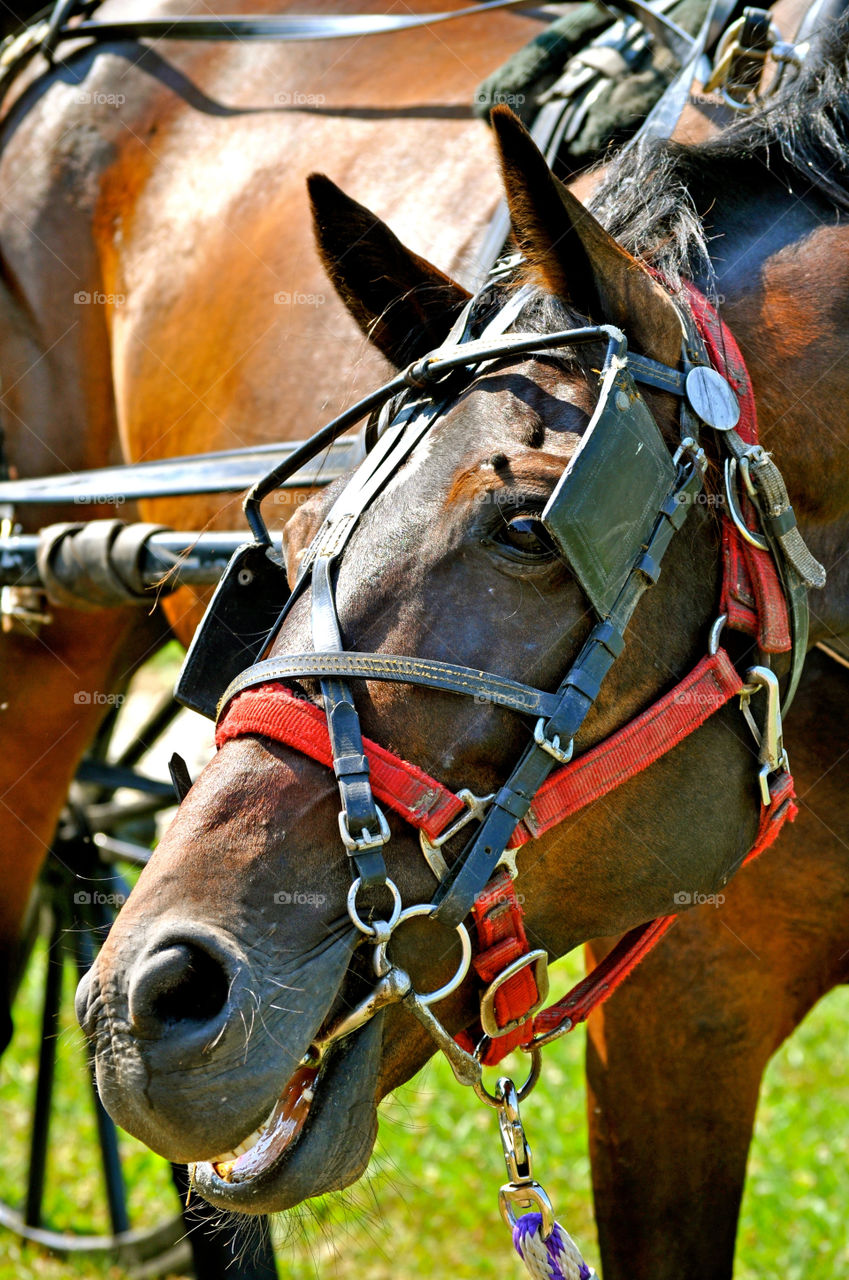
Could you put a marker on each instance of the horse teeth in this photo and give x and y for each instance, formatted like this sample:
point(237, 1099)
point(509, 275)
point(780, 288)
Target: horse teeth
point(239, 1150)
point(229, 1157)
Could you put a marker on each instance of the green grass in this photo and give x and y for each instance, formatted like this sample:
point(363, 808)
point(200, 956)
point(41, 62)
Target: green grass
point(428, 1207)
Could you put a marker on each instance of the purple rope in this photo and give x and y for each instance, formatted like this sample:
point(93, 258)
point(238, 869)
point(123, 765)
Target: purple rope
point(531, 1224)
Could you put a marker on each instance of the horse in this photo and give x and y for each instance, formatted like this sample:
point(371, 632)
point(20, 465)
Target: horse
point(451, 563)
point(159, 296)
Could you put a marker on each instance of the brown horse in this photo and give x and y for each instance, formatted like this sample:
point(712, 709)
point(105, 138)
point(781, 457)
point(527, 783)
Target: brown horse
point(201, 987)
point(159, 295)
point(675, 1060)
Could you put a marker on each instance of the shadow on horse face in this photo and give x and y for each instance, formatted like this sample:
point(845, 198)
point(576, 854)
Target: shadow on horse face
point(235, 951)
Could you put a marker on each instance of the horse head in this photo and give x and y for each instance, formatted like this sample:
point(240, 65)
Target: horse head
point(235, 953)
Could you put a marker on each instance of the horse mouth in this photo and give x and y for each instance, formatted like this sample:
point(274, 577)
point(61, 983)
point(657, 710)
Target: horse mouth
point(268, 1143)
point(317, 1138)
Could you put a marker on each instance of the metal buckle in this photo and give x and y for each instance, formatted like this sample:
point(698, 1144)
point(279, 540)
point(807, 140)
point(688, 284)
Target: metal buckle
point(539, 960)
point(771, 753)
point(552, 745)
point(755, 539)
point(475, 806)
point(358, 844)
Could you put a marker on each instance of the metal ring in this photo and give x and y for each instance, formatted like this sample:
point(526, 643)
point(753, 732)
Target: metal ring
point(533, 1075)
point(427, 909)
point(715, 633)
point(755, 539)
point(367, 929)
point(736, 104)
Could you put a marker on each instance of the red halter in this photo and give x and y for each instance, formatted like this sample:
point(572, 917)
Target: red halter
point(754, 602)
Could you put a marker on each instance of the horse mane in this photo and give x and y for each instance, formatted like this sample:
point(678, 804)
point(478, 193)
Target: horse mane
point(799, 141)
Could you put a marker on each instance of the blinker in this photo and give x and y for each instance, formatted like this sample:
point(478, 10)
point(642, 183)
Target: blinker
point(604, 507)
point(234, 632)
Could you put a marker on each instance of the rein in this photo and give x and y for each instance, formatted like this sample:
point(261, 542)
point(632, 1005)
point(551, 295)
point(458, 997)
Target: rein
point(546, 786)
point(297, 27)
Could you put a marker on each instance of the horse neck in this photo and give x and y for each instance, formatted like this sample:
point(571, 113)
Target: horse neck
point(783, 297)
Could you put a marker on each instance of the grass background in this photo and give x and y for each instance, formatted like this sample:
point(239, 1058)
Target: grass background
point(428, 1205)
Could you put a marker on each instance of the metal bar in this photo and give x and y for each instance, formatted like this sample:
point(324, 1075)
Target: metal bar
point(286, 27)
point(197, 559)
point(227, 471)
point(44, 1082)
point(150, 732)
point(113, 776)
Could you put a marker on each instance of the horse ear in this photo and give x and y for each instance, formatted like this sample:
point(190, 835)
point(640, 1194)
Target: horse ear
point(571, 255)
point(402, 303)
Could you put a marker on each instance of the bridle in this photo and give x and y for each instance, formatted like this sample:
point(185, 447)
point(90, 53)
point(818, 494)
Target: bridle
point(545, 784)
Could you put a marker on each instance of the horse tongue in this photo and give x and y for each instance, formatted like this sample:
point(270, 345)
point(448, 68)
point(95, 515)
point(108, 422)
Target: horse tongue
point(284, 1125)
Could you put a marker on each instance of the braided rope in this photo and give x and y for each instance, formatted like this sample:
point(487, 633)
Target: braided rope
point(557, 1258)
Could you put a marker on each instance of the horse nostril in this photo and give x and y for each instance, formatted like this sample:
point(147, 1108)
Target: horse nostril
point(180, 983)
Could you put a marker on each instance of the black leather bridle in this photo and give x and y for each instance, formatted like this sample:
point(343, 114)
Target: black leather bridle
point(664, 488)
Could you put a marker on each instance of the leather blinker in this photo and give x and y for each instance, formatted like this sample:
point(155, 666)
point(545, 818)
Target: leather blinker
point(604, 507)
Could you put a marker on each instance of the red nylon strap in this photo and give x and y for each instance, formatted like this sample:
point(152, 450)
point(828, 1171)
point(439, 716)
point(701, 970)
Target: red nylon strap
point(751, 591)
point(782, 808)
point(637, 745)
point(501, 939)
point(612, 971)
point(273, 711)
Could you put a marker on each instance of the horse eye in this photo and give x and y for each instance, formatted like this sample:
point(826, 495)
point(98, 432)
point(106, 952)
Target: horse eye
point(528, 536)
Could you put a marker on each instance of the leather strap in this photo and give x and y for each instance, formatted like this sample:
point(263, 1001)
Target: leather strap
point(752, 595)
point(289, 27)
point(446, 676)
point(275, 712)
point(470, 873)
point(635, 746)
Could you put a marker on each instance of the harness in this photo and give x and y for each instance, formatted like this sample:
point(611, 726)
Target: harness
point(546, 785)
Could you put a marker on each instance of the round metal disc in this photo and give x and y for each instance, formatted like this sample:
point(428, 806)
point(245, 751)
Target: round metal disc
point(712, 398)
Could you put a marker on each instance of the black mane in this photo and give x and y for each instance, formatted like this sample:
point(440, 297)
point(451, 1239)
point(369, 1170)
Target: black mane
point(799, 141)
